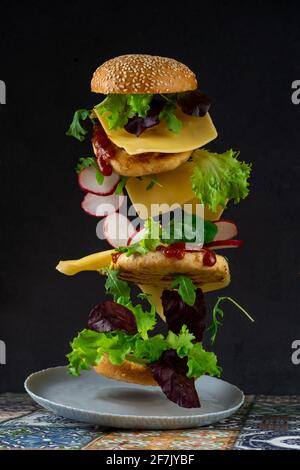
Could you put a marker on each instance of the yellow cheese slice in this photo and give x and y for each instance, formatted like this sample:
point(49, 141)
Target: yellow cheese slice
point(195, 132)
point(88, 263)
point(173, 187)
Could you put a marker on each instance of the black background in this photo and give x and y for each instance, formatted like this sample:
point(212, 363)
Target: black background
point(246, 55)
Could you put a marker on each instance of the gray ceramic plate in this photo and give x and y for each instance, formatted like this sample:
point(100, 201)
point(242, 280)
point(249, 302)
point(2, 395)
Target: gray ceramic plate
point(94, 399)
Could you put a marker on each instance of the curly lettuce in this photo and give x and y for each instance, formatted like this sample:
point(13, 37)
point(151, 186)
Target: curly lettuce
point(217, 178)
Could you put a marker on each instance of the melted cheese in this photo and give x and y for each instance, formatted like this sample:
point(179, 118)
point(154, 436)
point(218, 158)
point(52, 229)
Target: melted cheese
point(88, 263)
point(174, 187)
point(195, 132)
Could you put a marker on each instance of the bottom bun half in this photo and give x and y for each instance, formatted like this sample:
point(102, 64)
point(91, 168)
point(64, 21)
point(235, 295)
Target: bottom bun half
point(127, 372)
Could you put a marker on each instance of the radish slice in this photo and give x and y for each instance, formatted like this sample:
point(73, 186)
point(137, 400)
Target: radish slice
point(193, 247)
point(136, 237)
point(99, 206)
point(226, 230)
point(117, 229)
point(220, 244)
point(87, 181)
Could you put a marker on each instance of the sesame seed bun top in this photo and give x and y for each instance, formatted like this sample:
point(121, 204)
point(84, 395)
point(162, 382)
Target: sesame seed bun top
point(141, 73)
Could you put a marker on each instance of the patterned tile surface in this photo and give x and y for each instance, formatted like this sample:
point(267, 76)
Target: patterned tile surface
point(264, 422)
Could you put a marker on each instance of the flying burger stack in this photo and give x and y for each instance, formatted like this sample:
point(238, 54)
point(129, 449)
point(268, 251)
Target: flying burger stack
point(148, 134)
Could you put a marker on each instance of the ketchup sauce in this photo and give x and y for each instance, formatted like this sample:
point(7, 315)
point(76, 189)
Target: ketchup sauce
point(104, 149)
point(115, 257)
point(177, 250)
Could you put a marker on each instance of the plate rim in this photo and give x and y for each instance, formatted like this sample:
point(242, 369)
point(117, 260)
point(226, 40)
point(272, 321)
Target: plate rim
point(36, 397)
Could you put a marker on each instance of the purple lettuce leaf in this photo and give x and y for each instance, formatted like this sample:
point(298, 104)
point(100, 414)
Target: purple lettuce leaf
point(194, 103)
point(136, 125)
point(178, 313)
point(170, 373)
point(110, 316)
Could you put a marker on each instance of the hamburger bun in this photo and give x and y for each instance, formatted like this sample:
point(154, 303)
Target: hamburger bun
point(155, 269)
point(127, 372)
point(141, 73)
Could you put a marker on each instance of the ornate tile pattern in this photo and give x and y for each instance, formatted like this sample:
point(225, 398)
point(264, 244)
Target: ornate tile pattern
point(264, 422)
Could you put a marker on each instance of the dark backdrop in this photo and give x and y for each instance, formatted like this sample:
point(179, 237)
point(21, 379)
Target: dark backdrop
point(246, 55)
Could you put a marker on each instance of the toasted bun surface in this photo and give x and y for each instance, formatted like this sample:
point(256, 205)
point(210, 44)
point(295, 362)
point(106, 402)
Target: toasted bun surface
point(155, 269)
point(126, 372)
point(141, 73)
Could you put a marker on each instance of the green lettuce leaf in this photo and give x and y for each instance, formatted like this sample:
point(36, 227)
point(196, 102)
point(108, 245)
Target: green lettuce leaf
point(180, 231)
point(76, 130)
point(145, 321)
point(89, 347)
point(202, 362)
point(186, 288)
point(182, 343)
point(219, 177)
point(151, 349)
point(121, 107)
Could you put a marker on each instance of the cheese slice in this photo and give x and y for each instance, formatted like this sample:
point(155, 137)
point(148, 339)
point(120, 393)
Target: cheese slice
point(88, 263)
point(173, 187)
point(195, 132)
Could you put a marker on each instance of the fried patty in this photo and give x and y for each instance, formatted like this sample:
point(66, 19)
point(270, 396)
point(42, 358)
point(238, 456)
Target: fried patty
point(155, 269)
point(144, 164)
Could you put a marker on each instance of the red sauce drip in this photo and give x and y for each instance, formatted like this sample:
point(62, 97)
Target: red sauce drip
point(104, 149)
point(176, 250)
point(115, 257)
point(209, 257)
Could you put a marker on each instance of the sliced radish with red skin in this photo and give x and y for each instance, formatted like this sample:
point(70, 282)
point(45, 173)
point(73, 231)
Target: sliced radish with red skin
point(220, 244)
point(193, 247)
point(117, 228)
point(137, 236)
point(100, 206)
point(226, 230)
point(88, 182)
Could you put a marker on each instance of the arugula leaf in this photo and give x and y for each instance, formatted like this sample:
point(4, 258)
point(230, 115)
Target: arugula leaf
point(152, 183)
point(202, 362)
point(116, 287)
point(218, 315)
point(187, 289)
point(182, 343)
point(121, 184)
point(150, 241)
point(174, 124)
point(85, 162)
point(76, 130)
point(217, 177)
